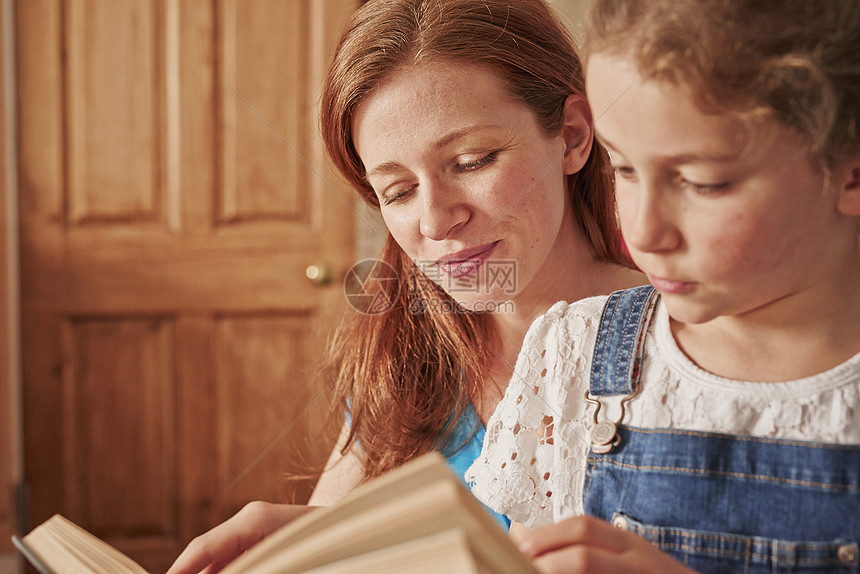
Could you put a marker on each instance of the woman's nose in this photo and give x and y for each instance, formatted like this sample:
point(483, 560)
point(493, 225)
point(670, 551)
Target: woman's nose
point(647, 220)
point(443, 211)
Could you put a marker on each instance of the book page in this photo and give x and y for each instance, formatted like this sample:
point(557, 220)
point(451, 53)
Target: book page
point(66, 548)
point(446, 551)
point(363, 498)
point(420, 499)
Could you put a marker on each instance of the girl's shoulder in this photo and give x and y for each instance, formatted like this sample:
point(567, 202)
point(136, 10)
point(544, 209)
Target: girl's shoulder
point(568, 320)
point(515, 473)
point(558, 346)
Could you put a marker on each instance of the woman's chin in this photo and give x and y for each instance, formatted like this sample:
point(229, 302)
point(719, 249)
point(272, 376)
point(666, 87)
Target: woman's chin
point(484, 303)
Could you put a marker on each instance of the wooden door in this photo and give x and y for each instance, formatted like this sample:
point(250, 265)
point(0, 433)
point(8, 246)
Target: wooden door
point(10, 466)
point(173, 192)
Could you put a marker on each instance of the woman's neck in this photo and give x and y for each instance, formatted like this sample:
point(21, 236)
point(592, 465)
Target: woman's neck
point(580, 276)
point(569, 273)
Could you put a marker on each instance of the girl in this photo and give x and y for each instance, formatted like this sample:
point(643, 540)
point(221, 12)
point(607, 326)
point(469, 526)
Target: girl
point(466, 124)
point(718, 417)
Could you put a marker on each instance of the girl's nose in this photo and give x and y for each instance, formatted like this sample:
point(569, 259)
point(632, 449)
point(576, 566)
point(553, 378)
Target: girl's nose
point(443, 211)
point(647, 220)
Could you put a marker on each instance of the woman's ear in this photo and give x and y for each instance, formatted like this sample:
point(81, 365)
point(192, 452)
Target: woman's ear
point(577, 133)
point(849, 188)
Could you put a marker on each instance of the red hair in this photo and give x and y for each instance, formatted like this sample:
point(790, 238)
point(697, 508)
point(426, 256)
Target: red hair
point(407, 375)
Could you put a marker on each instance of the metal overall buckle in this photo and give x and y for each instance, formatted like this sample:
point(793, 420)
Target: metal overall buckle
point(604, 435)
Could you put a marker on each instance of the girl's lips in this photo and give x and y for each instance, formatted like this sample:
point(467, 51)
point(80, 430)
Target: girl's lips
point(466, 262)
point(670, 286)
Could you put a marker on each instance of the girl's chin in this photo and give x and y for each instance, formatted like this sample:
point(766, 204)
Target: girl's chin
point(688, 312)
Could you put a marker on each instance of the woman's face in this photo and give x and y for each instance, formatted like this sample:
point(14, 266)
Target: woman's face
point(470, 186)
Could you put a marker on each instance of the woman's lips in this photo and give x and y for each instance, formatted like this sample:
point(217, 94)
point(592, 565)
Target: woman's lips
point(466, 262)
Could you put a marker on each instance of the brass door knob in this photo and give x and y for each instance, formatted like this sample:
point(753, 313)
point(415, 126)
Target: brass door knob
point(319, 273)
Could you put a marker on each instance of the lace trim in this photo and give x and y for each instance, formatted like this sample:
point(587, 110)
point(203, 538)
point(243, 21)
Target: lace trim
point(532, 466)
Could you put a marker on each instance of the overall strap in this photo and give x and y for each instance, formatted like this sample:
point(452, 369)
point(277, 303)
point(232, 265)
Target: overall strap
point(618, 349)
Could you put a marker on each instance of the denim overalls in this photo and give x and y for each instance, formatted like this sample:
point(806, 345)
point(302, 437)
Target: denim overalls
point(717, 503)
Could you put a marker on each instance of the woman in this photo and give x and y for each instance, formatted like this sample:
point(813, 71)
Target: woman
point(466, 124)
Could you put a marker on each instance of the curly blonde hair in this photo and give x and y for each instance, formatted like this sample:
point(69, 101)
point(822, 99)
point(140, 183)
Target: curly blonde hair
point(797, 61)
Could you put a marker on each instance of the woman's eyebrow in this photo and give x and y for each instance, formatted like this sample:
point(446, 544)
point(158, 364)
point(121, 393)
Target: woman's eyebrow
point(384, 169)
point(449, 138)
point(462, 132)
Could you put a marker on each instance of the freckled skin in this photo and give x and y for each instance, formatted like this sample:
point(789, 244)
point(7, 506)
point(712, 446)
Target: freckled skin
point(734, 222)
point(512, 192)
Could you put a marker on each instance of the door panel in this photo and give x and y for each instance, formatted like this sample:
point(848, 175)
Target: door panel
point(114, 111)
point(173, 193)
point(10, 435)
point(261, 181)
point(120, 433)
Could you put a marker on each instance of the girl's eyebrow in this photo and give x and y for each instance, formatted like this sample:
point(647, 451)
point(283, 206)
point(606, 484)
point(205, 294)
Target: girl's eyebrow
point(602, 141)
point(703, 157)
point(713, 157)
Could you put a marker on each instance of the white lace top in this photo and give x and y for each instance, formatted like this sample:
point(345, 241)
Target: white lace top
point(532, 465)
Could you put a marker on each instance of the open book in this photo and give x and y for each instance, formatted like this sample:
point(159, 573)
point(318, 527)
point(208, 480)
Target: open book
point(418, 518)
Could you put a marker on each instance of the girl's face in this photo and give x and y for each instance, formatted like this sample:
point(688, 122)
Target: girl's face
point(470, 186)
point(726, 218)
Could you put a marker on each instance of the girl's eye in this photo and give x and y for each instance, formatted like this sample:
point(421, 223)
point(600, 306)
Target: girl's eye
point(390, 198)
point(704, 188)
point(478, 163)
point(624, 172)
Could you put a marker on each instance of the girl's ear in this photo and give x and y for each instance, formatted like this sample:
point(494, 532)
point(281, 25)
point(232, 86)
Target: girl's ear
point(577, 133)
point(849, 192)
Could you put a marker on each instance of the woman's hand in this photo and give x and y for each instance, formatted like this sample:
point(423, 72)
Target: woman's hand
point(210, 552)
point(585, 544)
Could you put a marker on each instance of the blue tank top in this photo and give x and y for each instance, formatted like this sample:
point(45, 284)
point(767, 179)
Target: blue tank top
point(469, 432)
point(470, 425)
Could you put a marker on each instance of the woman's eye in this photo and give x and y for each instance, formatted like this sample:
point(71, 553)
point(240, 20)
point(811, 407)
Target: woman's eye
point(478, 163)
point(393, 196)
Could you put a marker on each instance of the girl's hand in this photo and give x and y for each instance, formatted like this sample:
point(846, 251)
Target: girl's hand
point(585, 544)
point(210, 552)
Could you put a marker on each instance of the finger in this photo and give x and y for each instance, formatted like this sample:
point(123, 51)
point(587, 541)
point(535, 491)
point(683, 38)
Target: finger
point(517, 531)
point(212, 550)
point(216, 548)
point(580, 560)
point(223, 543)
point(580, 530)
point(627, 552)
point(213, 568)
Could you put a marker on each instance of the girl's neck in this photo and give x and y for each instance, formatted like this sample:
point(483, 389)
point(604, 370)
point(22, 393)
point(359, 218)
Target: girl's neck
point(790, 339)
